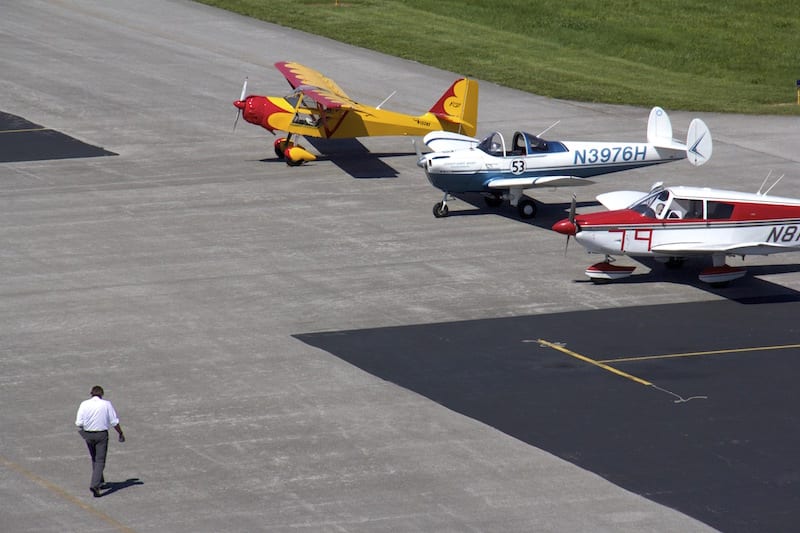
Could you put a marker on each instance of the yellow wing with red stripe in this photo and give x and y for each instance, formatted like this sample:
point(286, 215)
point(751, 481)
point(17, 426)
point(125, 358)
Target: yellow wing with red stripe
point(316, 86)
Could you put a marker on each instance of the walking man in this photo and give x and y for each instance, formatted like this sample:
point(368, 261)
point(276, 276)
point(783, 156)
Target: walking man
point(94, 417)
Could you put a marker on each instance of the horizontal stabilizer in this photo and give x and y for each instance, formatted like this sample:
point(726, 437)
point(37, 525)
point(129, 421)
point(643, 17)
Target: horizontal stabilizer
point(698, 145)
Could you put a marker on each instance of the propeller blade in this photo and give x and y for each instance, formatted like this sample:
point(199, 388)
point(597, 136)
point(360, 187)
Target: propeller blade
point(244, 89)
point(241, 98)
point(572, 209)
point(572, 220)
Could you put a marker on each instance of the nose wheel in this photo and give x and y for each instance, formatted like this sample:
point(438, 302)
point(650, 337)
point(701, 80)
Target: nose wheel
point(440, 210)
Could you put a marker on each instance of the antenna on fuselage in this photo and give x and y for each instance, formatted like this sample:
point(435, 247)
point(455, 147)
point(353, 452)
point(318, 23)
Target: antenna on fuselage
point(553, 125)
point(774, 184)
point(771, 186)
point(385, 100)
point(763, 183)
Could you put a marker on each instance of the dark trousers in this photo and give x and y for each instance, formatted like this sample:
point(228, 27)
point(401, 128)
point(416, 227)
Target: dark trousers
point(97, 442)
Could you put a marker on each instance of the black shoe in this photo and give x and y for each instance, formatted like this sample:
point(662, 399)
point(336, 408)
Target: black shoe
point(95, 492)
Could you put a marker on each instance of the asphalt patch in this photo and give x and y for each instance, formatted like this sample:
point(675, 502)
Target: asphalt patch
point(23, 140)
point(714, 435)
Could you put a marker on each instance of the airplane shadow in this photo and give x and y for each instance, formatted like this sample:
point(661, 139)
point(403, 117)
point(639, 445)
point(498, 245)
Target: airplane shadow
point(113, 486)
point(546, 214)
point(748, 290)
point(353, 157)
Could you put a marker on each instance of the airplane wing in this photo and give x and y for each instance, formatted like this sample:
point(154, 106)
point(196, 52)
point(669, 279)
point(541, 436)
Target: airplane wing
point(314, 85)
point(740, 248)
point(536, 181)
point(620, 199)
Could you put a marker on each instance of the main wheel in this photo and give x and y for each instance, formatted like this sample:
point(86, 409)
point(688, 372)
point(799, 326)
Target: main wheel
point(440, 210)
point(291, 162)
point(526, 208)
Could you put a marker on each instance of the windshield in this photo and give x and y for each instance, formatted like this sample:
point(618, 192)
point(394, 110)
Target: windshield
point(654, 204)
point(493, 145)
point(662, 204)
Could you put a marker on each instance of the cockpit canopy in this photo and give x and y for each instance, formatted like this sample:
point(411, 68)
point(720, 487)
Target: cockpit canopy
point(523, 144)
point(662, 204)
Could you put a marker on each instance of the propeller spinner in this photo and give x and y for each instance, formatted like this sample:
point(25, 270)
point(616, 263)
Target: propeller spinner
point(569, 226)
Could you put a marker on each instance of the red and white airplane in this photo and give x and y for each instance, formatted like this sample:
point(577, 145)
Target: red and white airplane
point(674, 223)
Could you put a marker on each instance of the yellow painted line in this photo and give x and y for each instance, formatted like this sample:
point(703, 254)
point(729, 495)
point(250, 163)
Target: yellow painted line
point(22, 131)
point(695, 354)
point(600, 364)
point(64, 494)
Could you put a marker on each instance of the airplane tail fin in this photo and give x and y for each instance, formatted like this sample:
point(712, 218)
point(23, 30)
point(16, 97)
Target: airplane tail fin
point(698, 145)
point(659, 130)
point(458, 107)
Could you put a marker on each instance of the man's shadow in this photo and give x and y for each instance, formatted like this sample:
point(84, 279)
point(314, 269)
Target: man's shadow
point(110, 487)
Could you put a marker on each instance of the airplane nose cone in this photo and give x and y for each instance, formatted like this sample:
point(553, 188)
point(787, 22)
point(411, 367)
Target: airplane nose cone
point(239, 104)
point(565, 227)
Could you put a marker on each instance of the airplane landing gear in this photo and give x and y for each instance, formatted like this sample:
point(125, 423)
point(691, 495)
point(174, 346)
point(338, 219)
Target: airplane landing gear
point(294, 154)
point(605, 272)
point(721, 273)
point(280, 146)
point(525, 206)
point(440, 209)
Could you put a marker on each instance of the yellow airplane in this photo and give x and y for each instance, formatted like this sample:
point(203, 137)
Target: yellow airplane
point(318, 107)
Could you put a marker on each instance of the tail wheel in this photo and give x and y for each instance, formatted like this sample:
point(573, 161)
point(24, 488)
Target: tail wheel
point(440, 210)
point(280, 147)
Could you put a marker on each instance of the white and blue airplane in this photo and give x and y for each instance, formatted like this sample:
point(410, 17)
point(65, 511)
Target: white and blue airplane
point(463, 164)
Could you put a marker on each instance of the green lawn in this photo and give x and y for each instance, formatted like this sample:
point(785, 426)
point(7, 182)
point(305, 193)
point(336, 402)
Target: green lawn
point(703, 55)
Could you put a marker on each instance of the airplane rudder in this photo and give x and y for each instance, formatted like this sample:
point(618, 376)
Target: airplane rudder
point(459, 106)
point(463, 90)
point(470, 117)
point(699, 144)
point(659, 126)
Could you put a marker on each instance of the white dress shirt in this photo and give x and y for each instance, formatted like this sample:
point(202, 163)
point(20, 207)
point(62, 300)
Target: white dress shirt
point(96, 414)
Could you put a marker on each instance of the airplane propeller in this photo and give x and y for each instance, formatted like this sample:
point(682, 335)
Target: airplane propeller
point(420, 157)
point(575, 227)
point(240, 104)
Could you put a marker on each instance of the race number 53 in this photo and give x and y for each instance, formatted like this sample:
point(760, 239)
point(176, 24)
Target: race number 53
point(517, 166)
